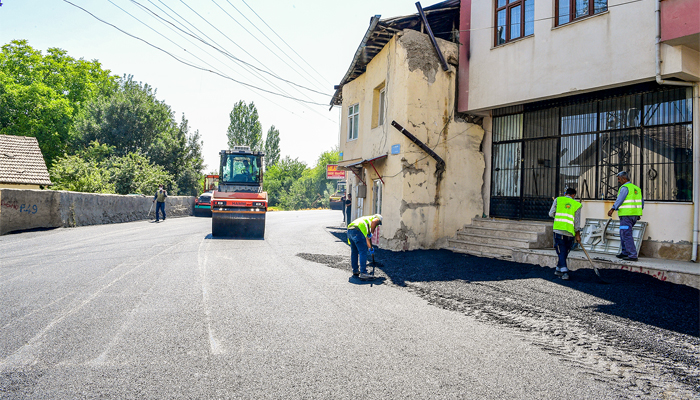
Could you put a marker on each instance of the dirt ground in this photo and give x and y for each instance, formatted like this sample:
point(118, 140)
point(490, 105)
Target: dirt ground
point(637, 332)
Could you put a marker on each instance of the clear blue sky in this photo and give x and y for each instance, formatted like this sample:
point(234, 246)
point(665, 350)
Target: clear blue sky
point(325, 33)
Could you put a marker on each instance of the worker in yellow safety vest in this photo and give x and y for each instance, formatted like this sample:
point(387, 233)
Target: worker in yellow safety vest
point(567, 227)
point(629, 205)
point(360, 233)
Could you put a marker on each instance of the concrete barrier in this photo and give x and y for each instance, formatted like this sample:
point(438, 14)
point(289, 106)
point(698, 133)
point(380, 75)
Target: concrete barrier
point(22, 209)
point(27, 209)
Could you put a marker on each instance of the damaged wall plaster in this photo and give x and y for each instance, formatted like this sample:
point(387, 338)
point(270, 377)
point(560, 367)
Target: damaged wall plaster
point(422, 55)
point(420, 208)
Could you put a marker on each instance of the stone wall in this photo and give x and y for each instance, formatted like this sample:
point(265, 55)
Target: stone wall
point(28, 209)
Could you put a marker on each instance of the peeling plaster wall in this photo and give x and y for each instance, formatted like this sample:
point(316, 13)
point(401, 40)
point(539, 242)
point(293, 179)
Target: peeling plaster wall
point(420, 209)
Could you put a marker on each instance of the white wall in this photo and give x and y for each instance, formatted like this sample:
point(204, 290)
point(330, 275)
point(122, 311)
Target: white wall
point(657, 215)
point(610, 49)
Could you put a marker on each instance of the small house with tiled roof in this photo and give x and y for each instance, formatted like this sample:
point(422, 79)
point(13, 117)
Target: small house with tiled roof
point(22, 164)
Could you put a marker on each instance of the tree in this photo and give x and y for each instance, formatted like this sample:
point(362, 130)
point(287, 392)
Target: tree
point(83, 172)
point(97, 170)
point(134, 121)
point(311, 189)
point(291, 185)
point(130, 119)
point(133, 173)
point(272, 147)
point(280, 177)
point(40, 95)
point(38, 111)
point(245, 128)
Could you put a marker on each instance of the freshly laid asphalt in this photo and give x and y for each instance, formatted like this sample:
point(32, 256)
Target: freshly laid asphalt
point(146, 310)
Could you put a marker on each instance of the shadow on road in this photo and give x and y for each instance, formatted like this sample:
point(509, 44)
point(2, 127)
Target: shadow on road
point(210, 237)
point(632, 295)
point(357, 281)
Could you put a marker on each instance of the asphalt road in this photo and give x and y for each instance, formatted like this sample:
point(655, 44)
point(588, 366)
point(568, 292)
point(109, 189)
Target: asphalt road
point(146, 310)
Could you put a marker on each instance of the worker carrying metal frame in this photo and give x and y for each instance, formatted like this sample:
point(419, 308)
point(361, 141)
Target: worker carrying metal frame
point(629, 205)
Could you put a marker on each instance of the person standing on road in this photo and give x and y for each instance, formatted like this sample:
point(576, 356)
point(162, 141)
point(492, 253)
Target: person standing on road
point(347, 207)
point(629, 205)
point(359, 235)
point(159, 199)
point(567, 227)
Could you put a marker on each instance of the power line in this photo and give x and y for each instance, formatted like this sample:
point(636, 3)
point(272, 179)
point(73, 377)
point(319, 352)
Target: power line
point(244, 64)
point(226, 53)
point(188, 63)
point(260, 41)
point(165, 37)
point(231, 40)
point(218, 30)
point(184, 37)
point(283, 41)
point(250, 67)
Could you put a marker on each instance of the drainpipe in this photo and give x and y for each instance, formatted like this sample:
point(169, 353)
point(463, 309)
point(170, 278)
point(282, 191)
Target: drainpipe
point(696, 169)
point(696, 128)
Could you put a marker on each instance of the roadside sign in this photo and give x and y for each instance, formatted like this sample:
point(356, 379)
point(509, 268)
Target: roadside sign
point(332, 172)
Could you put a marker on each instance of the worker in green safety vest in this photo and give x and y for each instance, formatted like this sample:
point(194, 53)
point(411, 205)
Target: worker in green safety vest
point(567, 228)
point(629, 206)
point(360, 233)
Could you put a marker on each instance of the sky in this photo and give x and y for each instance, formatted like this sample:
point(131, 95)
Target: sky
point(294, 50)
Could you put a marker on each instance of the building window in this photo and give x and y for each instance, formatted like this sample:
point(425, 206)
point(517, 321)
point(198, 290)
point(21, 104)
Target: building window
point(382, 105)
point(353, 121)
point(378, 105)
point(571, 10)
point(377, 193)
point(514, 19)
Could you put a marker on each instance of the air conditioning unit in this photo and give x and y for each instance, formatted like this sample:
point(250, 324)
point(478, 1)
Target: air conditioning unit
point(361, 191)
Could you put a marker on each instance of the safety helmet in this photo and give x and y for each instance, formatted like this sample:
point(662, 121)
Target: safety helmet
point(379, 217)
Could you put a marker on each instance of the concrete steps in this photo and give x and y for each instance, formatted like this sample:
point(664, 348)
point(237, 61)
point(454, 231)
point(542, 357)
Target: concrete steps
point(498, 238)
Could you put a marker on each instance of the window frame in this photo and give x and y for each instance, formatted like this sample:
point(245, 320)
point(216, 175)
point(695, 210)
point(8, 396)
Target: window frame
point(377, 192)
point(572, 11)
point(510, 4)
point(353, 121)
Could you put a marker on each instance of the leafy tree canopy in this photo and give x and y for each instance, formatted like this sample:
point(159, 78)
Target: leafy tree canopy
point(245, 128)
point(40, 94)
point(272, 147)
point(293, 186)
point(97, 169)
point(130, 119)
point(133, 121)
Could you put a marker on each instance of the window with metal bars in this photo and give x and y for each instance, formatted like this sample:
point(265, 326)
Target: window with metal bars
point(514, 19)
point(538, 153)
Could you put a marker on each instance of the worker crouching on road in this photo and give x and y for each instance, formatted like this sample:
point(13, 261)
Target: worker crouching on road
point(629, 205)
point(159, 199)
point(567, 228)
point(360, 233)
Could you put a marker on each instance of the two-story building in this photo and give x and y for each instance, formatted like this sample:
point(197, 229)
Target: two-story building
point(410, 158)
point(574, 91)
